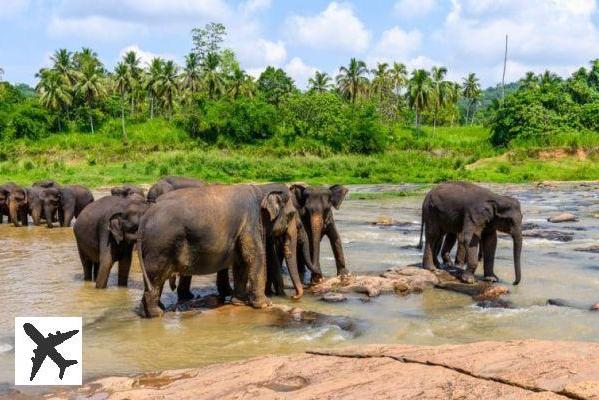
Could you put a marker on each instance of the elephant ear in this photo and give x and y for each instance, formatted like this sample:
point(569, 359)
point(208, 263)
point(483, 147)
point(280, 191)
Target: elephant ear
point(508, 208)
point(299, 195)
point(338, 193)
point(272, 204)
point(483, 213)
point(115, 227)
point(118, 191)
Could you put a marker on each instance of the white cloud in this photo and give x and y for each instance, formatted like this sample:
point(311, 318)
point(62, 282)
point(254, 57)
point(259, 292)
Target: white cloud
point(414, 8)
point(299, 71)
point(11, 8)
point(259, 52)
point(337, 28)
point(97, 28)
point(396, 44)
point(145, 56)
point(252, 6)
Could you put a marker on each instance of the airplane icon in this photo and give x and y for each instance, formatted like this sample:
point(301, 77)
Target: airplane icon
point(46, 347)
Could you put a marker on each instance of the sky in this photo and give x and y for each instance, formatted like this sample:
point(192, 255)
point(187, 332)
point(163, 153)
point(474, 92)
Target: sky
point(302, 36)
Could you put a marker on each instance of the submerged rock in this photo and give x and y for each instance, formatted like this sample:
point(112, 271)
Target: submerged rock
point(591, 249)
point(332, 297)
point(527, 226)
point(496, 303)
point(557, 236)
point(572, 304)
point(562, 217)
point(517, 369)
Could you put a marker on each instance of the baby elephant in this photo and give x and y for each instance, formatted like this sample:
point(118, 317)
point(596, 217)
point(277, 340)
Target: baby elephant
point(106, 232)
point(68, 201)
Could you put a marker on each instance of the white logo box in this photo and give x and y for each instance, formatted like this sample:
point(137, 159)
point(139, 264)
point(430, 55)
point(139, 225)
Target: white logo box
point(70, 350)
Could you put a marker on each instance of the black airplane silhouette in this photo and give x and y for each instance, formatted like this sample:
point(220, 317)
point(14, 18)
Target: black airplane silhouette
point(46, 347)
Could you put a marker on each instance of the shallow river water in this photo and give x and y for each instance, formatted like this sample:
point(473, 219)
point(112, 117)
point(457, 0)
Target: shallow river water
point(41, 275)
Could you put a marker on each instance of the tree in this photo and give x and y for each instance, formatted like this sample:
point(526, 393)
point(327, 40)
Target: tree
point(62, 63)
point(190, 78)
point(132, 60)
point(593, 78)
point(151, 83)
point(381, 83)
point(351, 80)
point(54, 92)
point(212, 79)
point(122, 82)
point(91, 87)
point(240, 84)
point(208, 39)
point(168, 87)
point(471, 91)
point(1, 74)
point(274, 83)
point(320, 82)
point(419, 92)
point(439, 92)
point(87, 58)
point(399, 77)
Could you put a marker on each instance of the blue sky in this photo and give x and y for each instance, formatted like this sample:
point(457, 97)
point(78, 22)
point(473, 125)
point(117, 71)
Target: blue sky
point(304, 36)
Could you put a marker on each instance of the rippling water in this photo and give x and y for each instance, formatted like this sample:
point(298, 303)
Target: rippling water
point(41, 276)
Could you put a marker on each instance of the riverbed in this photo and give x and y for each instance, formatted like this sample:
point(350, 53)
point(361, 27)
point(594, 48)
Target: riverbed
point(41, 275)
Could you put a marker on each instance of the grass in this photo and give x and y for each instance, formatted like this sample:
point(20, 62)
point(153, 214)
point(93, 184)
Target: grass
point(157, 148)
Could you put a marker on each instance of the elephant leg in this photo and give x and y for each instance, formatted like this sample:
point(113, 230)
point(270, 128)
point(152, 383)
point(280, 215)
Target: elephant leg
point(150, 302)
point(105, 264)
point(23, 218)
point(184, 288)
point(429, 256)
point(254, 261)
point(488, 247)
point(240, 280)
point(448, 244)
point(95, 270)
point(460, 256)
point(125, 265)
point(333, 235)
point(470, 243)
point(88, 266)
point(223, 285)
point(67, 217)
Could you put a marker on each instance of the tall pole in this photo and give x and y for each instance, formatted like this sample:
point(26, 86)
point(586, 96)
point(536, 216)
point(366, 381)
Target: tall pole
point(503, 76)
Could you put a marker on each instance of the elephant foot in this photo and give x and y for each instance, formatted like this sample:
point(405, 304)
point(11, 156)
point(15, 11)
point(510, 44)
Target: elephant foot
point(237, 301)
point(261, 302)
point(150, 306)
point(316, 278)
point(429, 267)
point(491, 278)
point(342, 272)
point(467, 277)
point(185, 296)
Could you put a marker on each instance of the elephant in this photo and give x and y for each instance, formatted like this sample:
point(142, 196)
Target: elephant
point(315, 205)
point(68, 201)
point(170, 183)
point(127, 190)
point(46, 183)
point(474, 215)
point(200, 231)
point(18, 205)
point(4, 195)
point(105, 232)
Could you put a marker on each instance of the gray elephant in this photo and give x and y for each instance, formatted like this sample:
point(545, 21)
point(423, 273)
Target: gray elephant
point(474, 215)
point(46, 183)
point(170, 183)
point(200, 231)
point(127, 190)
point(4, 196)
point(18, 204)
point(67, 201)
point(315, 206)
point(105, 232)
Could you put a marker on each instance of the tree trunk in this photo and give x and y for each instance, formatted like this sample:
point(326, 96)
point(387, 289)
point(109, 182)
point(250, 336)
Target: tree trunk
point(151, 107)
point(417, 119)
point(125, 139)
point(59, 125)
point(91, 121)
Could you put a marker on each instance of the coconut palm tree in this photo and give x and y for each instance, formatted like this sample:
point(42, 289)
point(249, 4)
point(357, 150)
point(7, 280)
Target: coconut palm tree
point(320, 82)
point(398, 74)
point(530, 80)
point(151, 84)
point(168, 86)
point(122, 83)
point(54, 92)
point(191, 76)
point(87, 58)
point(471, 91)
point(133, 62)
point(439, 92)
point(240, 84)
point(63, 64)
point(91, 87)
point(212, 78)
point(454, 93)
point(419, 92)
point(351, 80)
point(381, 83)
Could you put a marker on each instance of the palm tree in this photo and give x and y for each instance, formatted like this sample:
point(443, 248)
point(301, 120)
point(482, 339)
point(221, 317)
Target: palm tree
point(593, 76)
point(63, 64)
point(212, 78)
point(122, 83)
point(419, 92)
point(133, 62)
point(530, 80)
point(321, 82)
point(151, 82)
point(91, 87)
point(454, 93)
point(351, 80)
point(439, 93)
point(190, 78)
point(398, 76)
point(86, 58)
point(471, 91)
point(168, 86)
point(54, 92)
point(240, 84)
point(381, 83)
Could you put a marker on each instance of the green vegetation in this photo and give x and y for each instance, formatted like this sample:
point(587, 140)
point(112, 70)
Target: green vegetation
point(211, 120)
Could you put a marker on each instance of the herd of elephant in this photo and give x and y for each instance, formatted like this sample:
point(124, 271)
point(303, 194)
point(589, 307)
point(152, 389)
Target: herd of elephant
point(184, 227)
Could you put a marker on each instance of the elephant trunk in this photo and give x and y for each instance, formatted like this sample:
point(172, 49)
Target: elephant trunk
point(49, 215)
point(305, 248)
point(291, 259)
point(517, 238)
point(316, 229)
point(12, 211)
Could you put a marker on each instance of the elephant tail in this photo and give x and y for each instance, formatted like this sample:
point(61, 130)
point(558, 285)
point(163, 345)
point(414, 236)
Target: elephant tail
point(421, 230)
point(142, 264)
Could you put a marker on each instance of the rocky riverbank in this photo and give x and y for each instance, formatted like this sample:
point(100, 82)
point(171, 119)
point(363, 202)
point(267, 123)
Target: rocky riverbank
point(523, 369)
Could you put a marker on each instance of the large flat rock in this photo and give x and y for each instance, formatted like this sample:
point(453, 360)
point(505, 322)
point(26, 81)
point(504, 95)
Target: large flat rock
point(527, 369)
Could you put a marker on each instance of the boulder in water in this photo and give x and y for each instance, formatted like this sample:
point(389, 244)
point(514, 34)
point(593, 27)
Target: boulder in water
point(590, 249)
point(546, 234)
point(331, 297)
point(563, 217)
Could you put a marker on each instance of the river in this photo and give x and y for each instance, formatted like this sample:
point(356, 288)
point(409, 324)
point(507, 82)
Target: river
point(41, 275)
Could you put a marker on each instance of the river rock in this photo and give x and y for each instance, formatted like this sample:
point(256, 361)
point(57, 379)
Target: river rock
point(332, 297)
point(546, 185)
point(527, 226)
point(562, 217)
point(590, 249)
point(595, 307)
point(517, 369)
point(547, 234)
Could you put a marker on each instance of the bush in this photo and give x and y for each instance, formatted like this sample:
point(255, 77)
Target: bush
point(29, 120)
